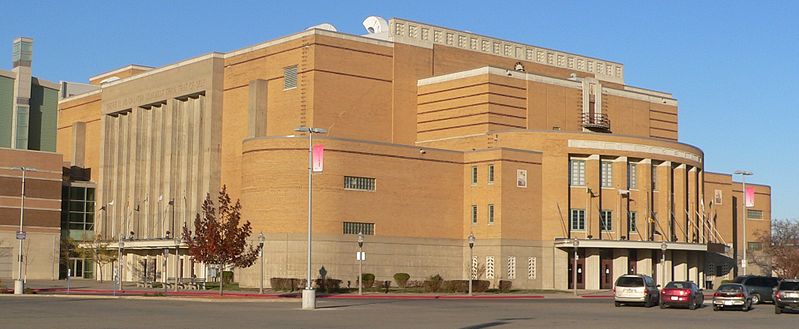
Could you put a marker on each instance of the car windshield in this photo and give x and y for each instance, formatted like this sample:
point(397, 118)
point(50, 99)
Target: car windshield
point(792, 285)
point(730, 288)
point(740, 279)
point(678, 285)
point(629, 281)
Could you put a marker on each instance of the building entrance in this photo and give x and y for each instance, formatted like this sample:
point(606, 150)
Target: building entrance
point(606, 269)
point(580, 269)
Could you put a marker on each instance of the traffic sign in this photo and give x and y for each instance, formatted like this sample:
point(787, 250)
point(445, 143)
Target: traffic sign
point(360, 255)
point(21, 235)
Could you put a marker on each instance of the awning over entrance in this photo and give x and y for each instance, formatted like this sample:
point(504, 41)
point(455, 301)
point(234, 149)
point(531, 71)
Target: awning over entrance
point(625, 244)
point(144, 244)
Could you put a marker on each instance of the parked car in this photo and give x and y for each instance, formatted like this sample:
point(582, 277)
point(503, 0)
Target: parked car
point(682, 293)
point(786, 295)
point(638, 289)
point(732, 295)
point(760, 287)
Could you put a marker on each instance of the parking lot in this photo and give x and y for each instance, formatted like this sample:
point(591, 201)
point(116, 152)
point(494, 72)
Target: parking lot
point(100, 312)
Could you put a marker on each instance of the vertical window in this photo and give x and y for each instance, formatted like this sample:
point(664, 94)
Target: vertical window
point(632, 176)
point(577, 176)
point(474, 175)
point(491, 214)
point(474, 214)
point(490, 174)
point(577, 219)
point(607, 173)
point(290, 77)
point(359, 183)
point(631, 221)
point(606, 220)
point(654, 177)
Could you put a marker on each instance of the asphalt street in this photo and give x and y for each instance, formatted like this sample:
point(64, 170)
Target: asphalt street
point(148, 312)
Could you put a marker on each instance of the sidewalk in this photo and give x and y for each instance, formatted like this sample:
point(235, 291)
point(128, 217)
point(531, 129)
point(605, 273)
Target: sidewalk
point(95, 288)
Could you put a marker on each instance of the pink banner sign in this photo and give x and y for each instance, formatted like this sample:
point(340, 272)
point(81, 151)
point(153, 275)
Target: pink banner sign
point(750, 196)
point(318, 157)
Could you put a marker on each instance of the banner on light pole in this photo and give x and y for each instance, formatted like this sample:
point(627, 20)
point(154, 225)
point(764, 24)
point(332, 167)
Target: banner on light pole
point(750, 197)
point(318, 157)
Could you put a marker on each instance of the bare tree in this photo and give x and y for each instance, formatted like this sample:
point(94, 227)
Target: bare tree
point(99, 252)
point(781, 248)
point(218, 238)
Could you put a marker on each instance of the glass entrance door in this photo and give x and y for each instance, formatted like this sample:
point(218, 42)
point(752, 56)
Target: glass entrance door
point(76, 265)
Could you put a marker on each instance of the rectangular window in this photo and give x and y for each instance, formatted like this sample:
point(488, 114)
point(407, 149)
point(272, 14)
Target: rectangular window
point(632, 176)
point(754, 214)
point(474, 175)
point(359, 227)
point(290, 77)
point(490, 174)
point(631, 221)
point(577, 219)
point(654, 177)
point(577, 176)
point(607, 173)
point(754, 246)
point(474, 214)
point(491, 214)
point(606, 220)
point(359, 183)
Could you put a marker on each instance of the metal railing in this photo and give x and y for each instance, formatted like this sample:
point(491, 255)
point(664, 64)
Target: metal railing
point(595, 120)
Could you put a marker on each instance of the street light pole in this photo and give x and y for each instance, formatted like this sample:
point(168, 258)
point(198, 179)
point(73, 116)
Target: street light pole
point(471, 261)
point(360, 263)
point(261, 240)
point(308, 294)
point(19, 284)
point(743, 174)
point(576, 244)
point(120, 245)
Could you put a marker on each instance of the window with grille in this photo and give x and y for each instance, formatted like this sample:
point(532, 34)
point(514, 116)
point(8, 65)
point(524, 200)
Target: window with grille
point(359, 227)
point(531, 270)
point(474, 214)
point(577, 176)
point(654, 178)
point(606, 220)
point(631, 217)
point(491, 214)
point(607, 173)
point(359, 183)
point(490, 174)
point(290, 77)
point(577, 219)
point(489, 267)
point(474, 175)
point(632, 176)
point(511, 267)
point(754, 214)
point(754, 246)
point(78, 203)
point(474, 268)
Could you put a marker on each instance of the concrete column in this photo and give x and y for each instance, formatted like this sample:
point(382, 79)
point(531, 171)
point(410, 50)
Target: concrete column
point(693, 269)
point(257, 108)
point(620, 263)
point(78, 143)
point(644, 263)
point(680, 190)
point(591, 269)
point(560, 267)
point(680, 263)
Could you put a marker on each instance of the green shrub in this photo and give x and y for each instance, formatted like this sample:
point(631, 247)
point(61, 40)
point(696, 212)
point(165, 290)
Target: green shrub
point(227, 277)
point(433, 284)
point(505, 285)
point(328, 285)
point(368, 280)
point(401, 279)
point(462, 286)
point(286, 284)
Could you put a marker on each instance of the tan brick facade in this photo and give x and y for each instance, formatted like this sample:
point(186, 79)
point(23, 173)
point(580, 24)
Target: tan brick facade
point(446, 125)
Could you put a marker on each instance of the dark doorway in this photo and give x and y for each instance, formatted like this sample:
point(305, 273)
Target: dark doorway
point(580, 269)
point(606, 269)
point(632, 263)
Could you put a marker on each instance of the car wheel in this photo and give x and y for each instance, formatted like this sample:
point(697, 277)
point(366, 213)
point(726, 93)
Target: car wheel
point(755, 298)
point(691, 305)
point(777, 310)
point(662, 305)
point(747, 307)
point(617, 304)
point(715, 308)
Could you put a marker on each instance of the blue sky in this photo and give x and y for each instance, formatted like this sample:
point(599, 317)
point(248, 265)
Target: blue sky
point(731, 64)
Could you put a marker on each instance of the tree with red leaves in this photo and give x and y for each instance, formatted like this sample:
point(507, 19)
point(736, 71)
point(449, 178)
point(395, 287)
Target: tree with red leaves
point(218, 238)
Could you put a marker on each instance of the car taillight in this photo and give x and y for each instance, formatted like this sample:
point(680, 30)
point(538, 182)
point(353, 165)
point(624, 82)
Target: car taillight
point(646, 291)
point(739, 295)
point(683, 292)
point(716, 295)
point(777, 295)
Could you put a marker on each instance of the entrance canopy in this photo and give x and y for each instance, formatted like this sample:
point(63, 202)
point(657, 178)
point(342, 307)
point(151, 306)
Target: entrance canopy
point(625, 244)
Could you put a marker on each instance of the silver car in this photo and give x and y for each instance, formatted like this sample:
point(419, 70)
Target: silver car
point(636, 289)
point(732, 295)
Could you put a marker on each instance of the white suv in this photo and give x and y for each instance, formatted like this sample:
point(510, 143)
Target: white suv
point(639, 289)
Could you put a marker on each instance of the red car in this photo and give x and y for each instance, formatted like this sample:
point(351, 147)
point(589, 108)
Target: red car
point(682, 293)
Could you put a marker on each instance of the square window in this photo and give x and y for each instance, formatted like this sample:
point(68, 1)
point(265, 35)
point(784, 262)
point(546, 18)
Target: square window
point(607, 173)
point(577, 176)
point(606, 221)
point(577, 219)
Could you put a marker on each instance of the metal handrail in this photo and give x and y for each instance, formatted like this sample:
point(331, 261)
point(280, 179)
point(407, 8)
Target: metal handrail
point(595, 120)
